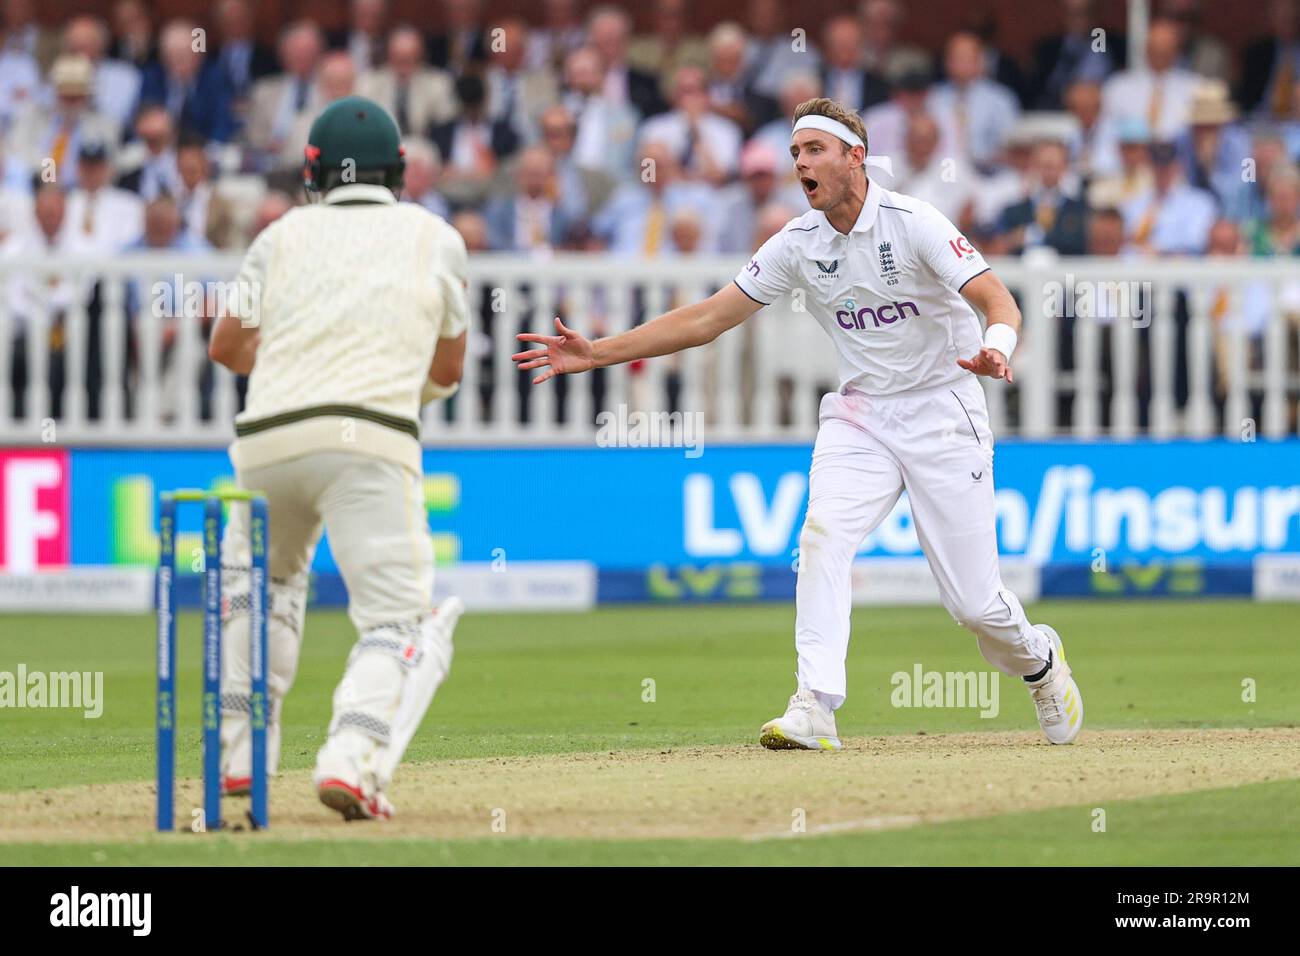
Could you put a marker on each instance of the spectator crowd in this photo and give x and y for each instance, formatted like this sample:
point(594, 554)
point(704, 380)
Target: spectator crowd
point(576, 133)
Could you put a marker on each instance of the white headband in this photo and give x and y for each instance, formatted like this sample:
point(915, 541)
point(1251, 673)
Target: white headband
point(832, 126)
point(842, 132)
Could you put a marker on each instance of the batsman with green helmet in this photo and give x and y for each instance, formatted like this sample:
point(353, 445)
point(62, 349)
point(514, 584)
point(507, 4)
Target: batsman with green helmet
point(354, 314)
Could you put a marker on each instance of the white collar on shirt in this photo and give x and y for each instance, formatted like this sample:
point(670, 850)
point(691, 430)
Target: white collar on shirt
point(866, 218)
point(360, 192)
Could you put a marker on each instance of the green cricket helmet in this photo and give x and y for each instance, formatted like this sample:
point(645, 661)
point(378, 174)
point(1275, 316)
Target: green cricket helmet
point(351, 136)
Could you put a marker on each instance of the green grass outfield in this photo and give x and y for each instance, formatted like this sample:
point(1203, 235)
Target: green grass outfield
point(556, 683)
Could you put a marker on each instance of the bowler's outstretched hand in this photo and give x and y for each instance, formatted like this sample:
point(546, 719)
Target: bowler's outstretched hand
point(563, 354)
point(988, 362)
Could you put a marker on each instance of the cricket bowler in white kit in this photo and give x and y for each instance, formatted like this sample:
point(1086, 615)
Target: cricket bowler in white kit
point(893, 283)
point(358, 317)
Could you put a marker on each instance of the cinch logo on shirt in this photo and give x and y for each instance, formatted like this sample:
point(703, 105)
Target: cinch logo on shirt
point(886, 314)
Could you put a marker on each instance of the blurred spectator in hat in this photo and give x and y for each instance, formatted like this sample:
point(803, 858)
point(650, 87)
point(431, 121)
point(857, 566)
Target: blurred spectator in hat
point(883, 52)
point(116, 84)
point(279, 101)
point(242, 59)
point(420, 182)
point(560, 34)
point(843, 76)
point(1215, 146)
point(205, 213)
point(605, 139)
point(671, 45)
point(1270, 66)
point(731, 94)
point(336, 77)
point(979, 111)
point(1070, 57)
point(1050, 216)
point(705, 145)
point(1083, 103)
point(760, 185)
point(416, 95)
point(636, 220)
point(887, 122)
point(106, 219)
point(516, 94)
point(773, 55)
point(608, 31)
point(1248, 198)
point(48, 140)
point(472, 145)
point(530, 219)
point(949, 183)
point(797, 87)
point(1133, 177)
point(464, 43)
point(1159, 93)
point(582, 190)
point(1203, 53)
point(148, 164)
point(1171, 218)
point(133, 38)
point(23, 34)
point(189, 85)
point(20, 81)
point(365, 39)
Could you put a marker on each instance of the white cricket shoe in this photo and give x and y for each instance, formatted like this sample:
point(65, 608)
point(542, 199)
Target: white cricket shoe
point(1056, 695)
point(807, 725)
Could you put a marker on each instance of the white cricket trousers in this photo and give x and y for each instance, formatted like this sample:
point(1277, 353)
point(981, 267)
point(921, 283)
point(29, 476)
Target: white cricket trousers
point(935, 443)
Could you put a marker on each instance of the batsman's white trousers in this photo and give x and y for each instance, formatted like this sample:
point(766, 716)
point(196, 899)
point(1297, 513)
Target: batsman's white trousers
point(935, 443)
point(373, 510)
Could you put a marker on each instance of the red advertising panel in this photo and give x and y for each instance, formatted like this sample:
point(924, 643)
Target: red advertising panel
point(34, 513)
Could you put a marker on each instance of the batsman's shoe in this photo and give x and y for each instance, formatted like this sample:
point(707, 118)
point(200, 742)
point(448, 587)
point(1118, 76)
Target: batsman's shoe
point(1056, 695)
point(807, 725)
point(352, 803)
point(236, 786)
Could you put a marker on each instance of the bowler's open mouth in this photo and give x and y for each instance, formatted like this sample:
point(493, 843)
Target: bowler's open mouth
point(809, 186)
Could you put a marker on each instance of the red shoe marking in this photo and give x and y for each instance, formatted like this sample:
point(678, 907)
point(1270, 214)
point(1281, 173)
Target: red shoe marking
point(372, 806)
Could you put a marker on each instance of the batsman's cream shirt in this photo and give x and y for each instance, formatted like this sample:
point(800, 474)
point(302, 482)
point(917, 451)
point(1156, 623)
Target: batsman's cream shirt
point(886, 293)
point(350, 297)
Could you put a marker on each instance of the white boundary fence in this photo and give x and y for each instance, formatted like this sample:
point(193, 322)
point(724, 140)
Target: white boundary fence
point(1176, 359)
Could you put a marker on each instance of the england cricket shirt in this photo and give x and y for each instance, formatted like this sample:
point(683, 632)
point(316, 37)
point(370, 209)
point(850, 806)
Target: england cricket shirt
point(887, 293)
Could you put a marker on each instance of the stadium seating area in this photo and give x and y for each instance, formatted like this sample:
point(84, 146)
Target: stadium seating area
point(572, 133)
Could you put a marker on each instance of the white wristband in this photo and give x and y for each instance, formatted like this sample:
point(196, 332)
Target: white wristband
point(432, 391)
point(1002, 337)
